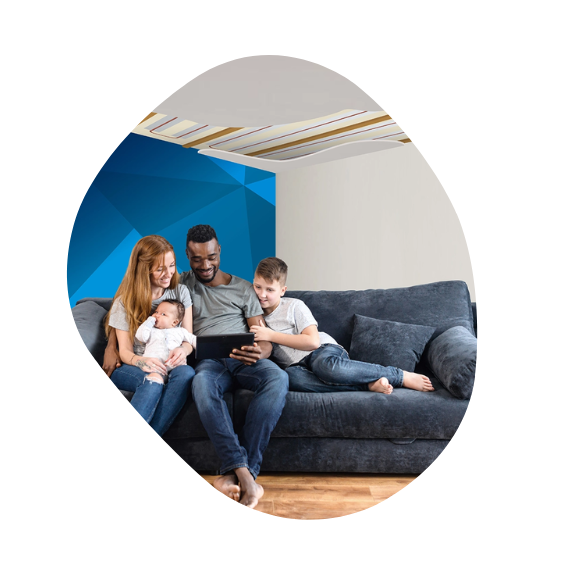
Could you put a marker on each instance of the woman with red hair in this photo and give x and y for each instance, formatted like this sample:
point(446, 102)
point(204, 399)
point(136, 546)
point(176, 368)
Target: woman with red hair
point(151, 277)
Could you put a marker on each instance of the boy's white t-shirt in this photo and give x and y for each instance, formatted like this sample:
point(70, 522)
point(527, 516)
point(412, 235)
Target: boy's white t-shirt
point(292, 317)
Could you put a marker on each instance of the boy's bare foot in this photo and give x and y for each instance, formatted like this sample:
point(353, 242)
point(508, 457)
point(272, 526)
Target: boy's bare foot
point(417, 382)
point(227, 484)
point(251, 492)
point(382, 385)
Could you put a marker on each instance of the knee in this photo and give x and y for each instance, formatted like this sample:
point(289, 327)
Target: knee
point(277, 378)
point(183, 373)
point(155, 378)
point(201, 386)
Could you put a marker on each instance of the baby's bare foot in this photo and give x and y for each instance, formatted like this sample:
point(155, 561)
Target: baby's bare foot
point(382, 385)
point(417, 382)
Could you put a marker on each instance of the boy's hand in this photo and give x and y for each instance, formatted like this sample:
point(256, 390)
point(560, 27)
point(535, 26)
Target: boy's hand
point(261, 332)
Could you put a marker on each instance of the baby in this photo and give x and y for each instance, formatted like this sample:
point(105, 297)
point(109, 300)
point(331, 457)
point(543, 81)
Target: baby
point(161, 332)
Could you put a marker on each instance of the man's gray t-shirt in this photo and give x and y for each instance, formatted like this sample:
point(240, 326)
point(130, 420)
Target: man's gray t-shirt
point(292, 317)
point(119, 320)
point(222, 309)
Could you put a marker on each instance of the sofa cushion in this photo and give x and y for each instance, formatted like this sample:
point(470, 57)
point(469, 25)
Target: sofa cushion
point(403, 414)
point(452, 358)
point(89, 318)
point(390, 344)
point(441, 305)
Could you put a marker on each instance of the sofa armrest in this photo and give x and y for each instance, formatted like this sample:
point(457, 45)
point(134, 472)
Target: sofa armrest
point(452, 357)
point(106, 303)
point(89, 318)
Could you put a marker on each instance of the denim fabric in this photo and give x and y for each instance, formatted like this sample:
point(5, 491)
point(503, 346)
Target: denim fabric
point(329, 369)
point(213, 378)
point(157, 404)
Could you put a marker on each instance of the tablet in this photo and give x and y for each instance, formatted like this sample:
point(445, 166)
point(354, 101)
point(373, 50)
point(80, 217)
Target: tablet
point(220, 346)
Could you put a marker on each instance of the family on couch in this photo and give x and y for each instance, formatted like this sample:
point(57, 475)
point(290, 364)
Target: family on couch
point(214, 303)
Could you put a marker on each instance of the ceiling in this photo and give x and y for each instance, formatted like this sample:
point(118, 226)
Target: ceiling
point(273, 113)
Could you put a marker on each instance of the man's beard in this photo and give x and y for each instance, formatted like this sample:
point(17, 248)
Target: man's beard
point(209, 279)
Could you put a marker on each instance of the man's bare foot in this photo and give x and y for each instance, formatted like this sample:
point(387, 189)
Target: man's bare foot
point(227, 484)
point(382, 385)
point(251, 492)
point(417, 382)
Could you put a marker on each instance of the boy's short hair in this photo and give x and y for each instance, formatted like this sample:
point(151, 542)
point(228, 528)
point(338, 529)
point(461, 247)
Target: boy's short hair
point(178, 304)
point(201, 233)
point(272, 269)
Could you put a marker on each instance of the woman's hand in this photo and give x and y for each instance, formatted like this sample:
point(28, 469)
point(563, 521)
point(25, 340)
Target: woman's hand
point(177, 355)
point(150, 365)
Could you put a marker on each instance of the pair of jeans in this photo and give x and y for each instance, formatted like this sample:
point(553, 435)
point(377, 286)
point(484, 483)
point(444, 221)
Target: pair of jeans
point(157, 403)
point(269, 382)
point(329, 369)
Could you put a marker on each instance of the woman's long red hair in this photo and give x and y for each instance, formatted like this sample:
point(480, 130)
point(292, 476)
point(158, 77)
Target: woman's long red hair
point(135, 289)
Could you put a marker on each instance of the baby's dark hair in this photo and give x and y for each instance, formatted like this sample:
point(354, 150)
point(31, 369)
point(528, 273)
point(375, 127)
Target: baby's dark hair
point(178, 304)
point(201, 233)
point(272, 269)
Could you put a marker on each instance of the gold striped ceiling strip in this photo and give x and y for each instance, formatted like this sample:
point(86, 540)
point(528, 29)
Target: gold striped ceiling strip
point(147, 117)
point(226, 131)
point(321, 135)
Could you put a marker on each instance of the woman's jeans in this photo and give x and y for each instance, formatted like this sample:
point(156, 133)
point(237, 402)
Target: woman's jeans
point(214, 377)
point(157, 403)
point(329, 369)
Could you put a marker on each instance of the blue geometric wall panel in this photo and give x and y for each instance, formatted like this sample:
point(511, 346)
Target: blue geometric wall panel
point(149, 187)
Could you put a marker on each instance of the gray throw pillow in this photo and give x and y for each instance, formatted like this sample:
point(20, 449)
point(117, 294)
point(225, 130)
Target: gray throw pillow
point(390, 344)
point(452, 357)
point(89, 318)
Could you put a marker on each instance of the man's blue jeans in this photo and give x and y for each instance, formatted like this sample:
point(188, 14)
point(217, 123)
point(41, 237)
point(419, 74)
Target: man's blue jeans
point(157, 403)
point(329, 369)
point(213, 378)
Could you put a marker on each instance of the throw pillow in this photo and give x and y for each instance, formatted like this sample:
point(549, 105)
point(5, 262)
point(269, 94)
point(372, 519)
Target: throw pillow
point(452, 357)
point(390, 344)
point(89, 318)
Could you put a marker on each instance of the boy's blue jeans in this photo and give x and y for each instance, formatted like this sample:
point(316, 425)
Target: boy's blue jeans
point(157, 403)
point(329, 369)
point(213, 378)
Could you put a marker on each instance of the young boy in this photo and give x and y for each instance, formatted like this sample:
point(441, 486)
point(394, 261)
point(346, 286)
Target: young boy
point(312, 359)
point(160, 332)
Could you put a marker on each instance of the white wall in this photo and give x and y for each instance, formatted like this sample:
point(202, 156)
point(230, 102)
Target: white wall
point(376, 221)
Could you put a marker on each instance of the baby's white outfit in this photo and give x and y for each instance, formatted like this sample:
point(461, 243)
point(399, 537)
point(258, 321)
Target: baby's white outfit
point(160, 342)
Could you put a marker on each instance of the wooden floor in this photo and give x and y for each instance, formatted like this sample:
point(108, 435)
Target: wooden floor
point(316, 496)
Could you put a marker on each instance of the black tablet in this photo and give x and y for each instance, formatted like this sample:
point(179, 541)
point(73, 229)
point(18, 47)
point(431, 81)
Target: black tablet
point(220, 346)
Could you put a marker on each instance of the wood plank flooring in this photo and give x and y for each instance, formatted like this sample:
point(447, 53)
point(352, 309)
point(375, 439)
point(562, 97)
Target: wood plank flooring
point(316, 496)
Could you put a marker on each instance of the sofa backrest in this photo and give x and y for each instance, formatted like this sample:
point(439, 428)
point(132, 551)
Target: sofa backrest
point(441, 304)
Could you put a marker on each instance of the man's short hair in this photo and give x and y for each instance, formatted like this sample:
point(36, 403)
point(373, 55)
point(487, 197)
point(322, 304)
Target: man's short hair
point(272, 269)
point(201, 233)
point(178, 304)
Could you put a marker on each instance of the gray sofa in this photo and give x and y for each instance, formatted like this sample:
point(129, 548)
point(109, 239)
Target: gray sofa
point(430, 328)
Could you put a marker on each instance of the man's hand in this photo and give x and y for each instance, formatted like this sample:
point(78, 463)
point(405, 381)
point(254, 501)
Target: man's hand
point(248, 354)
point(111, 360)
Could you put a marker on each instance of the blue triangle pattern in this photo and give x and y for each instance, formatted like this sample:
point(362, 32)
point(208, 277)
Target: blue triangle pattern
point(148, 186)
